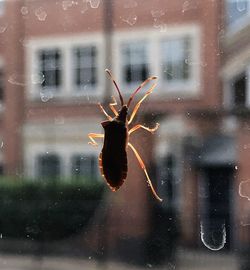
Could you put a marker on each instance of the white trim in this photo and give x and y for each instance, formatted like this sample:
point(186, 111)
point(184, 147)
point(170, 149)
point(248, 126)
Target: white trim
point(66, 45)
point(65, 140)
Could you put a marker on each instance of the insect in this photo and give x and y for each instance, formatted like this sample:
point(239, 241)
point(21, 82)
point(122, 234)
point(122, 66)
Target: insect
point(113, 157)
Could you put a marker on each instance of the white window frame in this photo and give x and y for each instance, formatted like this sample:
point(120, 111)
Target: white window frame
point(67, 91)
point(153, 39)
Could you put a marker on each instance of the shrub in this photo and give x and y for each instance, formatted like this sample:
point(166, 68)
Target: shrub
point(45, 211)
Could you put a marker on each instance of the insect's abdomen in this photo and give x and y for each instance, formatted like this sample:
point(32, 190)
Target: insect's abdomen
point(113, 158)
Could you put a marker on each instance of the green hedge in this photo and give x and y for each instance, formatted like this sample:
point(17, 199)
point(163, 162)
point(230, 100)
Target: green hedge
point(46, 211)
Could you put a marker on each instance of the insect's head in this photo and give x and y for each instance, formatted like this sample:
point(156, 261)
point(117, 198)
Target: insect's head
point(134, 93)
point(123, 112)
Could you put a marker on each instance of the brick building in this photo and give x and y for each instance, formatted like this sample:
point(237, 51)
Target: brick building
point(53, 76)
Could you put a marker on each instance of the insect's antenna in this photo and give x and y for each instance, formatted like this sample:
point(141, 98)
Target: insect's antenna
point(116, 86)
point(139, 88)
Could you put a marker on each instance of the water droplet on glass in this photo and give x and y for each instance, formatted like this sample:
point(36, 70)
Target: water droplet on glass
point(236, 168)
point(130, 4)
point(3, 28)
point(188, 5)
point(246, 146)
point(90, 257)
point(149, 265)
point(17, 79)
point(59, 120)
point(1, 236)
point(1, 146)
point(46, 95)
point(203, 191)
point(243, 223)
point(185, 6)
point(84, 6)
point(163, 27)
point(66, 4)
point(159, 24)
point(157, 13)
point(41, 14)
point(24, 10)
point(37, 78)
point(131, 19)
point(241, 5)
point(94, 3)
point(193, 63)
point(213, 237)
point(244, 189)
point(170, 266)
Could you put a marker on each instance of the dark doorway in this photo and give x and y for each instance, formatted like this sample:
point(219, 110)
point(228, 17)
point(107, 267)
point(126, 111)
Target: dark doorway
point(217, 215)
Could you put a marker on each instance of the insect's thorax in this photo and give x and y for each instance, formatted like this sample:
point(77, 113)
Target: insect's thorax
point(116, 131)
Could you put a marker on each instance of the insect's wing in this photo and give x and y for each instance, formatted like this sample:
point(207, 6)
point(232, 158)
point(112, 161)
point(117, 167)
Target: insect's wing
point(113, 158)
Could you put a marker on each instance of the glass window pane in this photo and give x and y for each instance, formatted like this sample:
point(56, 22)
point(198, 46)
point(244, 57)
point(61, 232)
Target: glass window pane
point(48, 166)
point(135, 62)
point(176, 56)
point(85, 63)
point(50, 67)
point(84, 166)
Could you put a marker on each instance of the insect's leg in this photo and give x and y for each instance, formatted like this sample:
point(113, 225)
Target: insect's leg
point(145, 171)
point(111, 105)
point(152, 130)
point(92, 136)
point(107, 115)
point(137, 106)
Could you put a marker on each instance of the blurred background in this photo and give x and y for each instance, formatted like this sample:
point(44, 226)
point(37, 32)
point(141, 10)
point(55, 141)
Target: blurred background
point(56, 211)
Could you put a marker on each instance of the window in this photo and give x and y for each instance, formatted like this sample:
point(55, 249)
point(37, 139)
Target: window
point(236, 10)
point(84, 166)
point(239, 90)
point(135, 62)
point(238, 94)
point(50, 67)
point(175, 60)
point(65, 70)
point(48, 165)
point(85, 66)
